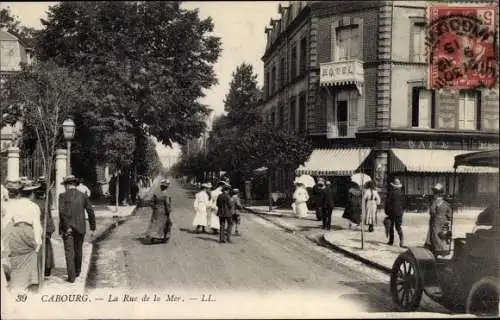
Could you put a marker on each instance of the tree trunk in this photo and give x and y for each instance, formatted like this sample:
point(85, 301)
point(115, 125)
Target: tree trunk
point(117, 190)
point(269, 189)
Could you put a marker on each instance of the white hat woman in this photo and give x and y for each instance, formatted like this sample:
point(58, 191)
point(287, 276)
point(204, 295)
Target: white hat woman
point(300, 197)
point(201, 205)
point(22, 237)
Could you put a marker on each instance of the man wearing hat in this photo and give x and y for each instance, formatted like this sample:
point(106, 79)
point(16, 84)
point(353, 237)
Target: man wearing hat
point(224, 214)
point(235, 206)
point(394, 209)
point(72, 226)
point(438, 236)
point(40, 197)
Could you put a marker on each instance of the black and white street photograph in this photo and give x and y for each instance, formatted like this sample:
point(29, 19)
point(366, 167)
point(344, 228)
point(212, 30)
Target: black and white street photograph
point(249, 159)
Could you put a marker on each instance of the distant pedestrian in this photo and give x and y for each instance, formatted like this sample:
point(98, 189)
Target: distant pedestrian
point(394, 209)
point(371, 201)
point(326, 205)
point(41, 195)
point(134, 191)
point(160, 224)
point(83, 188)
point(439, 233)
point(235, 209)
point(201, 205)
point(72, 226)
point(224, 214)
point(352, 211)
point(316, 195)
point(300, 197)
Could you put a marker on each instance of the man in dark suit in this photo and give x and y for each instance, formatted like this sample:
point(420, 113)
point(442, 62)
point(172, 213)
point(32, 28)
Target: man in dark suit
point(72, 207)
point(224, 214)
point(325, 199)
point(394, 209)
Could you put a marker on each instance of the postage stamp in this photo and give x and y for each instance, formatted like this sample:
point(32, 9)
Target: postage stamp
point(461, 46)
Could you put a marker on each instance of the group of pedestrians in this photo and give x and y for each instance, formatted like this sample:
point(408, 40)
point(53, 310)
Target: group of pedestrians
point(24, 219)
point(217, 210)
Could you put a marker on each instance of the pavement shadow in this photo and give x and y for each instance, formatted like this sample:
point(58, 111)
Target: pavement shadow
point(188, 230)
point(366, 297)
point(208, 239)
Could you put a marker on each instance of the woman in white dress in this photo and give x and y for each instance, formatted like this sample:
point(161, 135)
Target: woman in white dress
point(201, 206)
point(300, 197)
point(212, 218)
point(371, 200)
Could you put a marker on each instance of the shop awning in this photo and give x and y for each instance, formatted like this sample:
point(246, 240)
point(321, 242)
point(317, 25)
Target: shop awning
point(340, 162)
point(418, 160)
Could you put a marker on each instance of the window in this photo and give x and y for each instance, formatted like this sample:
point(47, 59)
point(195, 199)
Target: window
point(468, 109)
point(293, 62)
point(282, 73)
point(272, 87)
point(273, 118)
point(417, 51)
point(293, 113)
point(422, 108)
point(302, 113)
point(303, 55)
point(348, 43)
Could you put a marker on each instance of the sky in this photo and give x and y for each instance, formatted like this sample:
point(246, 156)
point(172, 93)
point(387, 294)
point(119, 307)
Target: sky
point(240, 25)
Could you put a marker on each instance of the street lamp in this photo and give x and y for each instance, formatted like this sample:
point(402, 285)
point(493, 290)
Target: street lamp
point(69, 133)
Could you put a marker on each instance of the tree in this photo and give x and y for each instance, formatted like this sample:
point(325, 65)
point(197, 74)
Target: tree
point(12, 24)
point(42, 96)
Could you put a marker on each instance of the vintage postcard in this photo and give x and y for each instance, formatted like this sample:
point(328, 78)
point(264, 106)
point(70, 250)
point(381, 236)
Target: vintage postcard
point(255, 159)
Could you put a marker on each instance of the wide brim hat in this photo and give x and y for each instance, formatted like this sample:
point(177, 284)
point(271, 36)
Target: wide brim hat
point(13, 185)
point(438, 188)
point(71, 179)
point(42, 179)
point(235, 190)
point(165, 182)
point(207, 185)
point(396, 184)
point(30, 186)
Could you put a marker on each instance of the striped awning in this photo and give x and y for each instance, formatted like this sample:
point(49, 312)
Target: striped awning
point(340, 162)
point(418, 160)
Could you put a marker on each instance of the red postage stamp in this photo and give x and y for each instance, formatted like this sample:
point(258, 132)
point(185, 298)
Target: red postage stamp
point(461, 46)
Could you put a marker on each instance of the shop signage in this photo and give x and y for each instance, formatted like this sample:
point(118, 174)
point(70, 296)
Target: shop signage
point(488, 146)
point(447, 108)
point(342, 72)
point(412, 144)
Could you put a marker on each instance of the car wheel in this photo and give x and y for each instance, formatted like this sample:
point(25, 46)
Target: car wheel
point(406, 285)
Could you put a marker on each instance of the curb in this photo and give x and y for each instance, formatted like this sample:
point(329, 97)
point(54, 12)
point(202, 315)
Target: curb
point(354, 256)
point(106, 232)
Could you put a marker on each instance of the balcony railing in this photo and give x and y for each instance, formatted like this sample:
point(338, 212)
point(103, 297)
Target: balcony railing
point(341, 129)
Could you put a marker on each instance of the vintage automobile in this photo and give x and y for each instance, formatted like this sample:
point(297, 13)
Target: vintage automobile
point(468, 279)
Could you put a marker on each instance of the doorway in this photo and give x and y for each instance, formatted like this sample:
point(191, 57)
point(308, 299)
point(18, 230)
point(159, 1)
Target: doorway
point(342, 117)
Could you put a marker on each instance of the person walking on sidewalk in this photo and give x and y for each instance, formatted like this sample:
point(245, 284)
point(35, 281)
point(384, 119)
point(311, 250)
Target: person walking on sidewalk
point(394, 209)
point(325, 199)
point(438, 235)
point(160, 224)
point(41, 195)
point(212, 219)
point(352, 211)
point(72, 226)
point(22, 236)
point(371, 201)
point(201, 205)
point(224, 214)
point(300, 197)
point(235, 206)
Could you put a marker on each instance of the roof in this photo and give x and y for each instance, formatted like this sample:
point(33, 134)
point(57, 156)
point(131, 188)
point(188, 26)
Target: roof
point(342, 162)
point(6, 36)
point(418, 160)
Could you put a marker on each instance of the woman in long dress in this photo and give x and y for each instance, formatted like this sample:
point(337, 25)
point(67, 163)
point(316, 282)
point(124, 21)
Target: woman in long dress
point(212, 218)
point(22, 238)
point(371, 201)
point(352, 211)
point(300, 197)
point(201, 205)
point(160, 223)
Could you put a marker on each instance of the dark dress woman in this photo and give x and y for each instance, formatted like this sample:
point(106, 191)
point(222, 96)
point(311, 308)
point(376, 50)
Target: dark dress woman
point(352, 210)
point(160, 224)
point(50, 227)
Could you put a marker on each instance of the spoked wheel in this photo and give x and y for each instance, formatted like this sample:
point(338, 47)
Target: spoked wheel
point(483, 297)
point(406, 286)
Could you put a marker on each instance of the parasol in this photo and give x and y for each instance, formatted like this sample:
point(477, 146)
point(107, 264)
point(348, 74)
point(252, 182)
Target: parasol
point(360, 179)
point(306, 180)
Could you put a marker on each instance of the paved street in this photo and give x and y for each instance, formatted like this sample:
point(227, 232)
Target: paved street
point(263, 258)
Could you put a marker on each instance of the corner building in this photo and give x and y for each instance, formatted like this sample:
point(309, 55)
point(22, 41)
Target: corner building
point(352, 76)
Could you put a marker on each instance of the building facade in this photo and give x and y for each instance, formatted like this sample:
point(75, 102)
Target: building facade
point(355, 82)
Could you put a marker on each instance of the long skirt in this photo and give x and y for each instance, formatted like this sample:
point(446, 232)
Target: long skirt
point(300, 209)
point(200, 218)
point(352, 213)
point(23, 257)
point(157, 225)
point(49, 253)
point(370, 212)
point(213, 219)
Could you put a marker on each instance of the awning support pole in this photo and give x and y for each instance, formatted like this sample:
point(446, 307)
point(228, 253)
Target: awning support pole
point(453, 197)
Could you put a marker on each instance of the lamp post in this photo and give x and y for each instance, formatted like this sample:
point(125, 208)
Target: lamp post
point(69, 133)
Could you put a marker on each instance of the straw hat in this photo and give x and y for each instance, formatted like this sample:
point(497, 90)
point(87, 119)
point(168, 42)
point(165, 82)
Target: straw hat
point(30, 186)
point(207, 185)
point(236, 190)
point(71, 179)
point(396, 183)
point(165, 183)
point(14, 185)
point(438, 188)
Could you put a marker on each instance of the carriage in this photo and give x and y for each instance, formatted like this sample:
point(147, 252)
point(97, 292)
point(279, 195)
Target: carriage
point(468, 279)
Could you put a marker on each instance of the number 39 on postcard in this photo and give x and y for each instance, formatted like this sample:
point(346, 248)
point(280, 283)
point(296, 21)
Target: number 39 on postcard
point(461, 46)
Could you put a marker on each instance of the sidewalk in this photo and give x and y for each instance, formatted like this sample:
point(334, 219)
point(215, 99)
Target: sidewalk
point(376, 252)
point(106, 220)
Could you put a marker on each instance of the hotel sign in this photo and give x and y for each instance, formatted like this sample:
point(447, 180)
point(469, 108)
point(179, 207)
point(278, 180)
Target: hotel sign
point(341, 72)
